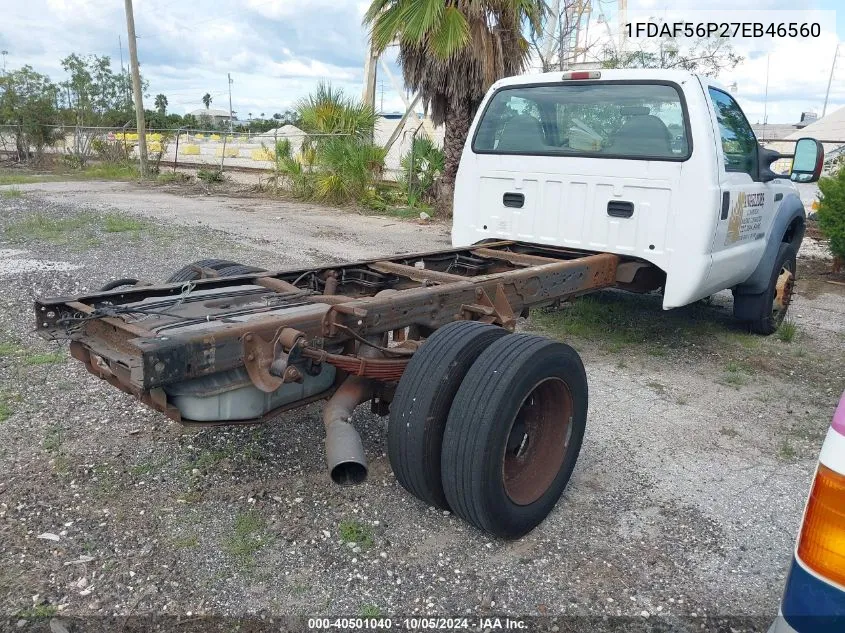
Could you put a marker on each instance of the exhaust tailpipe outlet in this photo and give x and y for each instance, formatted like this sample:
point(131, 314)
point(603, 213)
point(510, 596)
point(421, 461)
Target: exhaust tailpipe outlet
point(345, 454)
point(344, 450)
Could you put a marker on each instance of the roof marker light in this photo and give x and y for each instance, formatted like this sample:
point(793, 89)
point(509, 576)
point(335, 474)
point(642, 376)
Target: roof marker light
point(582, 74)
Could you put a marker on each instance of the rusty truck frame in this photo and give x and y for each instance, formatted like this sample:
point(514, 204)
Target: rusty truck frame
point(224, 346)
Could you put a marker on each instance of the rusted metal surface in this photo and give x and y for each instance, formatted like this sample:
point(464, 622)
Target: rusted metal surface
point(277, 285)
point(538, 441)
point(496, 311)
point(515, 258)
point(784, 287)
point(415, 274)
point(278, 324)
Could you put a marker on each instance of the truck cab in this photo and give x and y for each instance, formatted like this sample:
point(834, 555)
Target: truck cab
point(661, 165)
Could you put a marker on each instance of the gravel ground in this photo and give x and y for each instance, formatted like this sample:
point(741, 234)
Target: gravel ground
point(684, 503)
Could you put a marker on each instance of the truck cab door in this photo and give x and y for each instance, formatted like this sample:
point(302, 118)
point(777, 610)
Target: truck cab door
point(747, 205)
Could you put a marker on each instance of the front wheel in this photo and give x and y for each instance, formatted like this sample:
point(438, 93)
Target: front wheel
point(774, 302)
point(514, 433)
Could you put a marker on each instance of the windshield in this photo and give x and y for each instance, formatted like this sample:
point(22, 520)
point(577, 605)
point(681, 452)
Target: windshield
point(612, 120)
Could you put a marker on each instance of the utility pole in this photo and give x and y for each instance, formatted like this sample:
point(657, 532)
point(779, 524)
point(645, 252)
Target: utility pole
point(125, 94)
point(136, 87)
point(766, 97)
point(369, 95)
point(229, 75)
point(829, 80)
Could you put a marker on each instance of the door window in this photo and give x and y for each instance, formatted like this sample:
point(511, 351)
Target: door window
point(739, 145)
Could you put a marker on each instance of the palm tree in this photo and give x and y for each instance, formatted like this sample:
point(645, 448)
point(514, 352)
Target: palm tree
point(161, 103)
point(451, 52)
point(206, 99)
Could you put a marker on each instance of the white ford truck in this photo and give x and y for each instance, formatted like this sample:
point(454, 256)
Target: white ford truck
point(569, 183)
point(661, 165)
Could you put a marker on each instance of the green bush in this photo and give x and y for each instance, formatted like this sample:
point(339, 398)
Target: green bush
point(117, 152)
point(347, 169)
point(421, 167)
point(329, 111)
point(210, 175)
point(283, 148)
point(338, 163)
point(831, 213)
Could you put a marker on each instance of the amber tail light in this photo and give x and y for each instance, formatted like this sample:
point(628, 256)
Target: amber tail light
point(822, 543)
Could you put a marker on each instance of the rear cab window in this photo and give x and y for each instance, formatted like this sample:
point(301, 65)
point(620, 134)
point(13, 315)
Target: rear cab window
point(634, 120)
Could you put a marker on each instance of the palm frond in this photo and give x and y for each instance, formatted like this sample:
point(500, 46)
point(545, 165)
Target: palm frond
point(452, 36)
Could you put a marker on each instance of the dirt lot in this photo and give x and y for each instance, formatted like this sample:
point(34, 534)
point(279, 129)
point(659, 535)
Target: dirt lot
point(700, 446)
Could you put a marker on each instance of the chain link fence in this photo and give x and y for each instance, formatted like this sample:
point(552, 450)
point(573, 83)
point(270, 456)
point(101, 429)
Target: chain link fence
point(180, 147)
point(187, 148)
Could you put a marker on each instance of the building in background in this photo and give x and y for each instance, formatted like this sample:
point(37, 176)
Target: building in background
point(212, 115)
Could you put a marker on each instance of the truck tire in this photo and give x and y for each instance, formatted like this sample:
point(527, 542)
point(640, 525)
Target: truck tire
point(514, 433)
point(775, 300)
point(421, 405)
point(223, 266)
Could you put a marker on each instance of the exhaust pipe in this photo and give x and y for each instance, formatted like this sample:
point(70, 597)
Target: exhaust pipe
point(344, 450)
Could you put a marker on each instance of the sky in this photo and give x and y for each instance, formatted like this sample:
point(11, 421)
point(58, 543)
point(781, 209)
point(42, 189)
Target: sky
point(277, 50)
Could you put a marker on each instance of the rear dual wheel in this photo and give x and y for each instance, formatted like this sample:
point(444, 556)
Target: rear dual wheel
point(421, 405)
point(514, 433)
point(488, 425)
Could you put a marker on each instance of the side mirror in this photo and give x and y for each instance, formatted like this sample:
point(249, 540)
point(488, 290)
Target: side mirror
point(808, 161)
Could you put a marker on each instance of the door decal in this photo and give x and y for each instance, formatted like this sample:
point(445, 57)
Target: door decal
point(746, 217)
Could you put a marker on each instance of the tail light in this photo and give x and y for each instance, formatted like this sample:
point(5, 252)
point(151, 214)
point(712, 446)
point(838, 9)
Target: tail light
point(822, 543)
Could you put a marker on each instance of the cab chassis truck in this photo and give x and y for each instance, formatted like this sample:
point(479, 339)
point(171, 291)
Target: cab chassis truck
point(483, 421)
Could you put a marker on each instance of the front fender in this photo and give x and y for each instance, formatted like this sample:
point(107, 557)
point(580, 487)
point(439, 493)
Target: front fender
point(788, 226)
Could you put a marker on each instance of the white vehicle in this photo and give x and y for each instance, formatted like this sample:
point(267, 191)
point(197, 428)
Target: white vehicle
point(661, 165)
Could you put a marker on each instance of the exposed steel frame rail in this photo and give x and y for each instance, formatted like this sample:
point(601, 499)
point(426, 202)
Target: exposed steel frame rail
point(134, 358)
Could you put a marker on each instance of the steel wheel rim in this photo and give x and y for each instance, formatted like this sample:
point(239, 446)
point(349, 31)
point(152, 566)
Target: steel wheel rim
point(784, 288)
point(538, 439)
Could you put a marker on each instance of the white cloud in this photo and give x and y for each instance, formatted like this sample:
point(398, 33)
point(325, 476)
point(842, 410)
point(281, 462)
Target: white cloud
point(276, 50)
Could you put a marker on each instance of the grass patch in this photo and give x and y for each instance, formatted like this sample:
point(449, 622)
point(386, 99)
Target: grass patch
point(109, 171)
point(10, 193)
point(246, 538)
point(145, 468)
point(80, 229)
point(207, 459)
point(787, 331)
point(9, 349)
point(172, 177)
point(6, 410)
point(22, 179)
point(616, 321)
point(729, 431)
point(53, 439)
point(355, 532)
point(114, 223)
point(370, 611)
point(186, 542)
point(660, 388)
point(47, 229)
point(210, 175)
point(38, 612)
point(46, 358)
point(786, 452)
point(736, 374)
